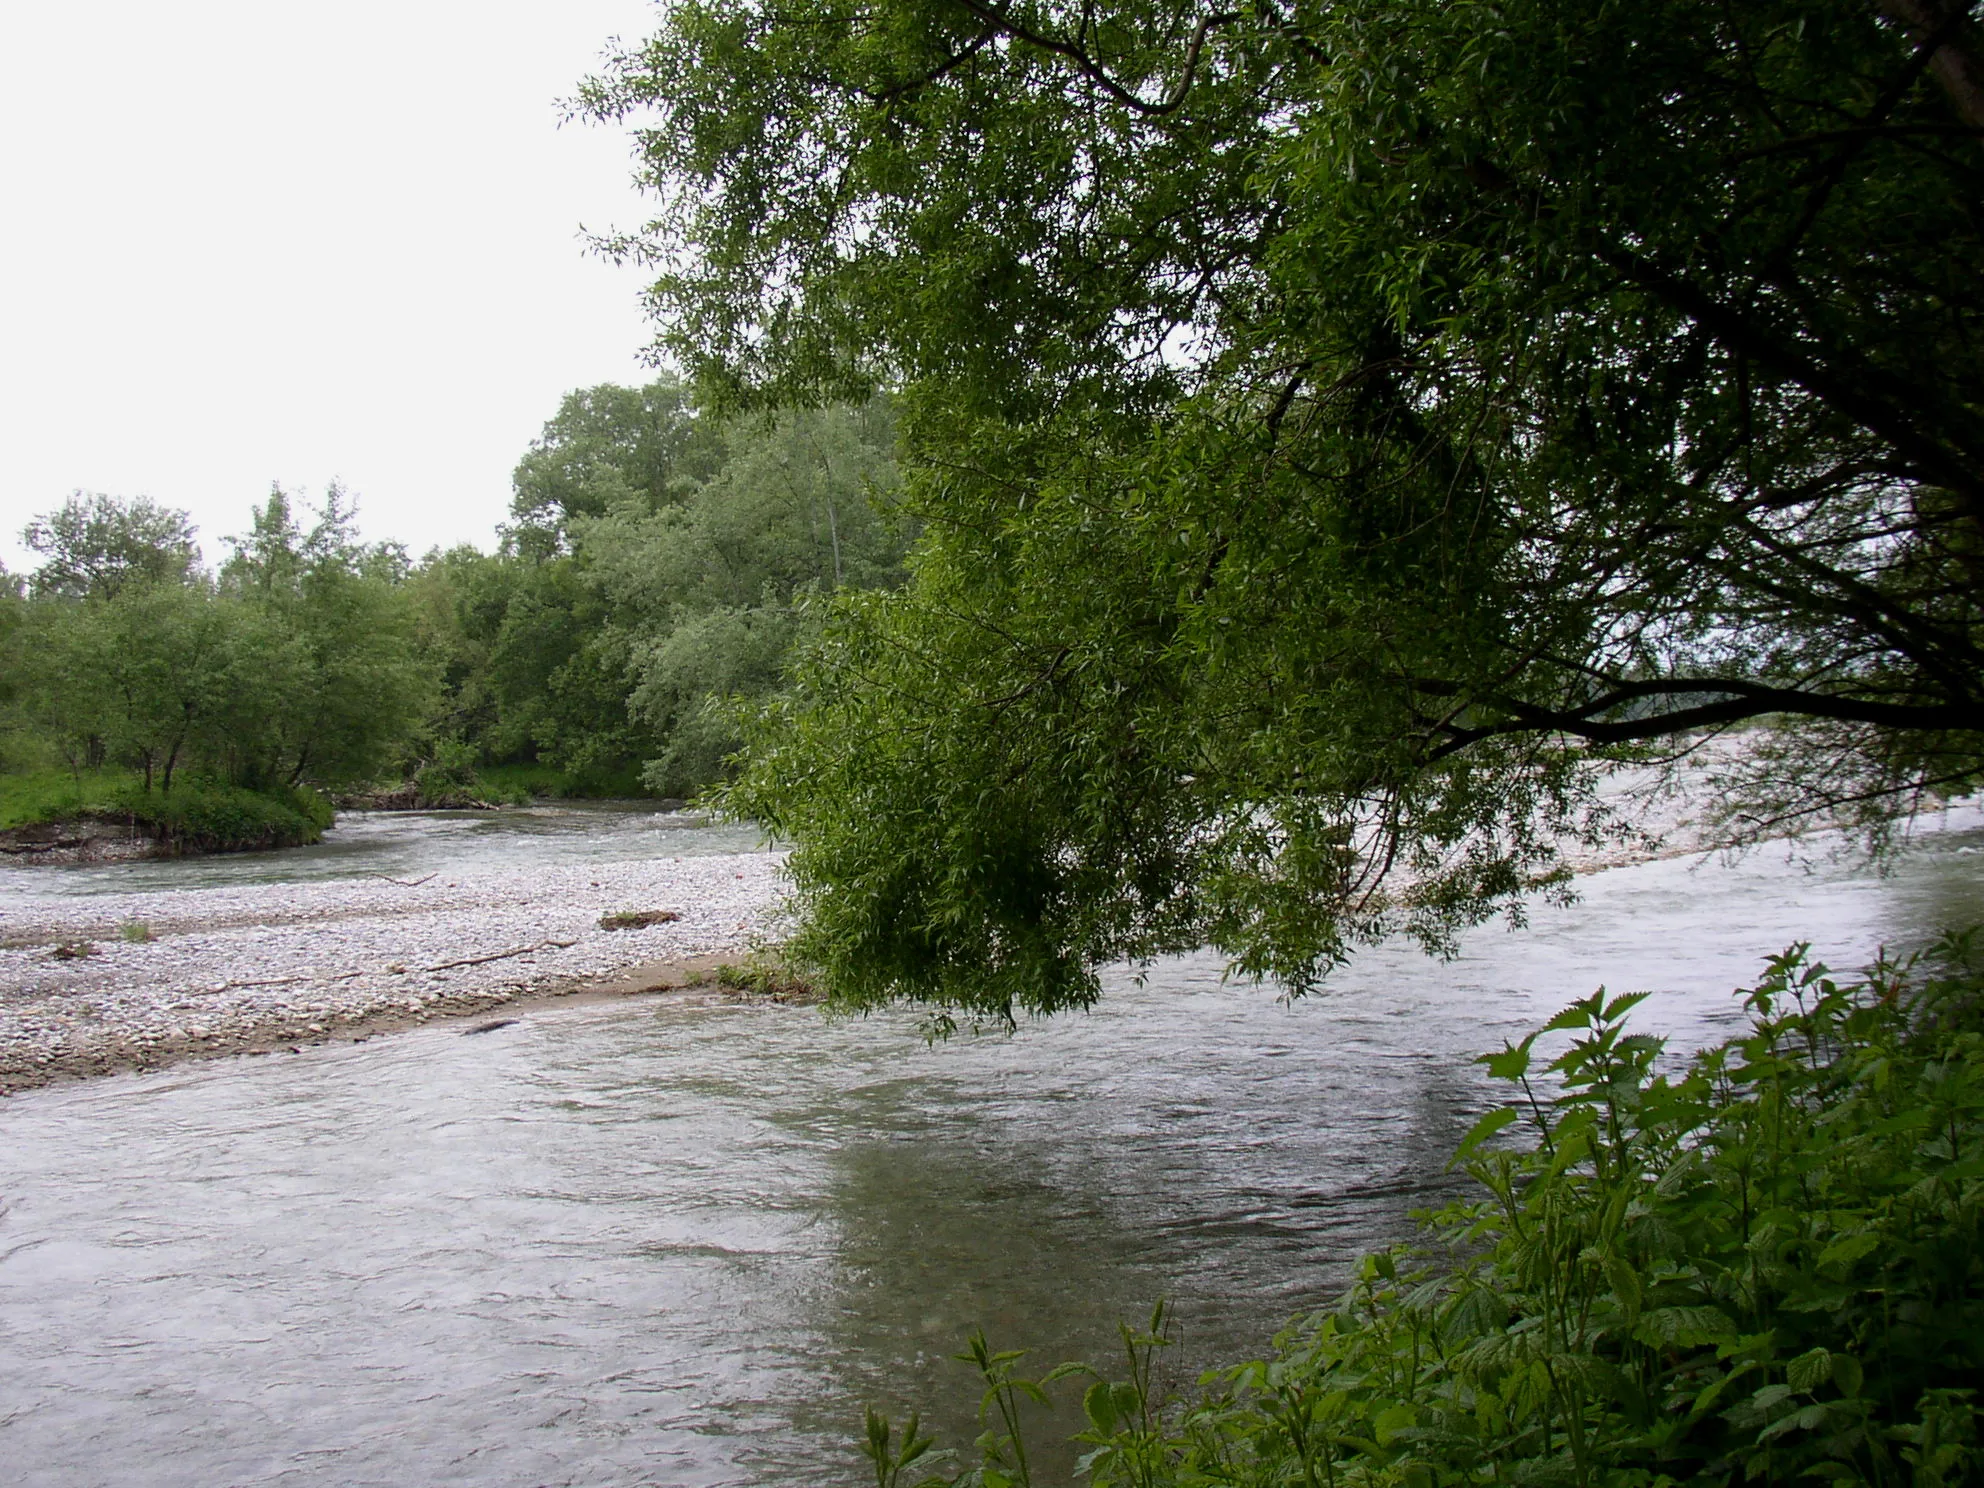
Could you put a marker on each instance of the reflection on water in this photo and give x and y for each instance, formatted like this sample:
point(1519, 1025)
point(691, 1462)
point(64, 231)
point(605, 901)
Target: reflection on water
point(677, 1244)
point(409, 844)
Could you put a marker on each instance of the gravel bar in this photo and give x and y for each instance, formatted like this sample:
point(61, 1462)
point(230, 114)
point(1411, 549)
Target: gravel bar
point(260, 968)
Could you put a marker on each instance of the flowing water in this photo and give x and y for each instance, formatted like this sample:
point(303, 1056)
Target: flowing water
point(680, 1243)
point(408, 844)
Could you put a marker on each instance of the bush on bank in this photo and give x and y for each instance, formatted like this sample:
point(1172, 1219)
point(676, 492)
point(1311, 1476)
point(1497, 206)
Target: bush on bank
point(1763, 1268)
point(197, 816)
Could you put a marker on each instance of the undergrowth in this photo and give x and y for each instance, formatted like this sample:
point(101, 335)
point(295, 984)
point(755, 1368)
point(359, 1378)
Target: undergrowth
point(764, 974)
point(197, 815)
point(546, 782)
point(1761, 1268)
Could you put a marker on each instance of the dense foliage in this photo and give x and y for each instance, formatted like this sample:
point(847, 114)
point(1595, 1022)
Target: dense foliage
point(659, 566)
point(1765, 1267)
point(197, 815)
point(289, 666)
point(1340, 429)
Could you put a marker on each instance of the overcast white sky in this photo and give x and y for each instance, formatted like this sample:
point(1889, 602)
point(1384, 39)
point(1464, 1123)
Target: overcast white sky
point(254, 242)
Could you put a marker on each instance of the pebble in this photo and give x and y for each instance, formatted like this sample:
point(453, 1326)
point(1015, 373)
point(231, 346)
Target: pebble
point(288, 961)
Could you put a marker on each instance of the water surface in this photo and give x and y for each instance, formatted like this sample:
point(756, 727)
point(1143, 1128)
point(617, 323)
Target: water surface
point(411, 844)
point(661, 1243)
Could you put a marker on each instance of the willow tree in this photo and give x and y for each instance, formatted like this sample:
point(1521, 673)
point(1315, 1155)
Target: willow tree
point(1342, 429)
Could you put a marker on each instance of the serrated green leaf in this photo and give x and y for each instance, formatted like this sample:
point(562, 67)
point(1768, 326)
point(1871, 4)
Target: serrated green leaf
point(1577, 1015)
point(1847, 1374)
point(1809, 1370)
point(1099, 1405)
point(1512, 1063)
point(1684, 1327)
point(1847, 1249)
point(1392, 1420)
point(1481, 1131)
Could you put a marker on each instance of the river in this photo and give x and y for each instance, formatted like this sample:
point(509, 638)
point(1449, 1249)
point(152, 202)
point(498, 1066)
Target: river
point(681, 1242)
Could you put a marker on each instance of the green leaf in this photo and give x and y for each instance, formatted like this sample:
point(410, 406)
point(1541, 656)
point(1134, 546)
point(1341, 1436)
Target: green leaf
point(1619, 1006)
point(1480, 1132)
point(1099, 1405)
point(1625, 1284)
point(1809, 1370)
point(1393, 1419)
point(1512, 1063)
point(1847, 1249)
point(1684, 1327)
point(1847, 1374)
point(1580, 1014)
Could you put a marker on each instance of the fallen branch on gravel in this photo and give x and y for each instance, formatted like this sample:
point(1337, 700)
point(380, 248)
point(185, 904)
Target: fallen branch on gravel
point(638, 919)
point(405, 883)
point(543, 945)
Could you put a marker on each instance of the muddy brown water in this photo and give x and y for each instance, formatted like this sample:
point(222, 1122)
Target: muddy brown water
point(680, 1242)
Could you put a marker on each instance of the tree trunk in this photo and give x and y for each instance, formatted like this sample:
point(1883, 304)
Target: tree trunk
point(1956, 64)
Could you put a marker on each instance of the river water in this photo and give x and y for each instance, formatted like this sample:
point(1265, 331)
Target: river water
point(411, 844)
point(681, 1242)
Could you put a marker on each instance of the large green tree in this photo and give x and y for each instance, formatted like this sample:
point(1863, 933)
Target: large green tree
point(95, 544)
point(657, 567)
point(326, 683)
point(606, 446)
point(1342, 429)
point(711, 598)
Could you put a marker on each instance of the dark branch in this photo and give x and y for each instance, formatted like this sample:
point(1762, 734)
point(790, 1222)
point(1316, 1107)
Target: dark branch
point(997, 16)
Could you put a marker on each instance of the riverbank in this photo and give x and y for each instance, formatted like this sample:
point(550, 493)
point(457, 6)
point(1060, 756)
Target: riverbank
point(52, 818)
point(436, 928)
point(113, 982)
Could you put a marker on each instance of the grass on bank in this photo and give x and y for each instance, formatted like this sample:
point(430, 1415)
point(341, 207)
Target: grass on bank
point(197, 815)
point(1762, 1267)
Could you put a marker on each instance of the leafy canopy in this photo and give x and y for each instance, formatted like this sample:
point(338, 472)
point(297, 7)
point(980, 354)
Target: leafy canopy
point(95, 544)
point(660, 563)
point(1341, 430)
point(292, 666)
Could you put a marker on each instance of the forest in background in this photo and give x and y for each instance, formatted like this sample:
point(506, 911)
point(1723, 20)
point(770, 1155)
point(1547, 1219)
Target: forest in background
point(658, 566)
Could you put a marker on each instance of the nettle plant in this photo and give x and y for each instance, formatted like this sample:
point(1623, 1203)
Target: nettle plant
point(1761, 1266)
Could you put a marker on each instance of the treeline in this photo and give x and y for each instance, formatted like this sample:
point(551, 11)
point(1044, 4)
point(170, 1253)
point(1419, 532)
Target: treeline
point(657, 565)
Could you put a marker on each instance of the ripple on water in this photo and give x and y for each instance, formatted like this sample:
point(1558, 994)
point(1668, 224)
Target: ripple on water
point(680, 1245)
point(409, 844)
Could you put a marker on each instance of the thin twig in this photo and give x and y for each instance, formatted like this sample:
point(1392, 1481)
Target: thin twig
point(543, 945)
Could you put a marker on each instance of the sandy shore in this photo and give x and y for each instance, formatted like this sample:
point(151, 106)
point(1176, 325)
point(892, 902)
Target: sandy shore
point(271, 967)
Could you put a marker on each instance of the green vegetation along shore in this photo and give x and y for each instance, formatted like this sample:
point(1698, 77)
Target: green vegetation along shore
point(43, 813)
point(660, 567)
point(1765, 1265)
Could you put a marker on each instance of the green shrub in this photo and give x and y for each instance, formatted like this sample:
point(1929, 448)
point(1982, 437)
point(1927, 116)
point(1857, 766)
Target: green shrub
point(545, 782)
point(196, 816)
point(449, 774)
point(1765, 1267)
point(206, 816)
point(765, 975)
